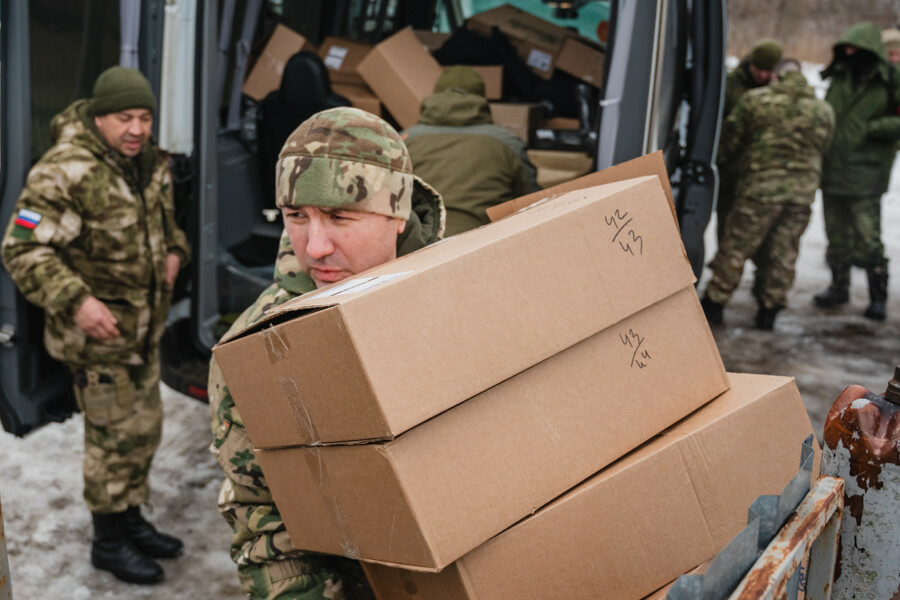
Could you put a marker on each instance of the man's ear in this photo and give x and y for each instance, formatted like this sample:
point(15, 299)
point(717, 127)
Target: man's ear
point(401, 226)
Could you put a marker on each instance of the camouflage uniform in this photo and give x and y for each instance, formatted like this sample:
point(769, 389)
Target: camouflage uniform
point(268, 565)
point(776, 136)
point(104, 226)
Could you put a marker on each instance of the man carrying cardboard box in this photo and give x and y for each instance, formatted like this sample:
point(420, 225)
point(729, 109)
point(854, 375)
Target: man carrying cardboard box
point(350, 202)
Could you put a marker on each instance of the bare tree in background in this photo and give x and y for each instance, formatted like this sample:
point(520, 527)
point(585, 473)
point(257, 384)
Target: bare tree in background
point(806, 28)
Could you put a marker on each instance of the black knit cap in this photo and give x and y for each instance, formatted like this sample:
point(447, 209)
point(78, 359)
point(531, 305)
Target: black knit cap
point(121, 88)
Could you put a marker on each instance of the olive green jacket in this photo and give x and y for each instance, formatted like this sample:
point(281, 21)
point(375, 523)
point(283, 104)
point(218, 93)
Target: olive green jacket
point(865, 139)
point(473, 163)
point(260, 541)
point(104, 227)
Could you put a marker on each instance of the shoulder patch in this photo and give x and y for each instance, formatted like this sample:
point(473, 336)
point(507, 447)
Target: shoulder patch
point(25, 222)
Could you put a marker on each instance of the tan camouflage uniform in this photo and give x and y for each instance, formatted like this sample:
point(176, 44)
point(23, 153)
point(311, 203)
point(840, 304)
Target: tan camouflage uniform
point(777, 136)
point(268, 565)
point(105, 226)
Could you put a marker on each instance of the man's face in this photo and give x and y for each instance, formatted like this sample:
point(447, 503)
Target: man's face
point(761, 76)
point(894, 55)
point(334, 244)
point(126, 131)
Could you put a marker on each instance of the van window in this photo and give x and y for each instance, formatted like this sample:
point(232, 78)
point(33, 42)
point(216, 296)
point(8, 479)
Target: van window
point(589, 15)
point(72, 42)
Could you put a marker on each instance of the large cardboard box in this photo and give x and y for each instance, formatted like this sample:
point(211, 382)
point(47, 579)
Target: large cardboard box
point(537, 41)
point(432, 40)
point(383, 351)
point(341, 58)
point(583, 59)
point(640, 523)
point(448, 485)
point(266, 74)
point(360, 96)
point(519, 118)
point(402, 73)
point(649, 165)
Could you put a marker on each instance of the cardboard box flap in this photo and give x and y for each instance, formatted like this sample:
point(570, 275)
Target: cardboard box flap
point(650, 164)
point(436, 254)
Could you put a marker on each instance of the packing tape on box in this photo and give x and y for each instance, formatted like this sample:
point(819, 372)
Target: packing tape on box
point(291, 392)
point(342, 529)
point(276, 347)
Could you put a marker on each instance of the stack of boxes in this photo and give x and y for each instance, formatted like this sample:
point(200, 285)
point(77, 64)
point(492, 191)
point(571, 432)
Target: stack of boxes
point(516, 409)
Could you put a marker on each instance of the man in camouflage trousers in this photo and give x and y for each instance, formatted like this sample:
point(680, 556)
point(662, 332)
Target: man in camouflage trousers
point(345, 187)
point(753, 72)
point(863, 91)
point(776, 135)
point(93, 242)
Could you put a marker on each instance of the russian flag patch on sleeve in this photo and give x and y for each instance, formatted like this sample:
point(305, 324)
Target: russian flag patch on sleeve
point(25, 222)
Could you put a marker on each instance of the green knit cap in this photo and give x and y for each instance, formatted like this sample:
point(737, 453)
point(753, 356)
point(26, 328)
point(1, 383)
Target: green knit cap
point(121, 88)
point(765, 54)
point(462, 77)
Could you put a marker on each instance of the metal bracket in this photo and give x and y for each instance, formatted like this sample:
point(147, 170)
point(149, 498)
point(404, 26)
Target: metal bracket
point(7, 336)
point(766, 516)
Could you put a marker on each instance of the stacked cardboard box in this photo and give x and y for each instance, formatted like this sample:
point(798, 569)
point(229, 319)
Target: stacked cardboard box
point(342, 57)
point(420, 415)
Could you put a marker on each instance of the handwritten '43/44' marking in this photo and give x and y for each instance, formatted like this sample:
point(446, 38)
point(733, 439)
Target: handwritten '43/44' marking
point(625, 236)
point(639, 358)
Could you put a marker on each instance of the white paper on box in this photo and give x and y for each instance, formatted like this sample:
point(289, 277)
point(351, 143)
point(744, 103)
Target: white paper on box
point(539, 60)
point(335, 57)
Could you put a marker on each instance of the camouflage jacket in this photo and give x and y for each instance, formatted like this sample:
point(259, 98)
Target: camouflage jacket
point(776, 137)
point(473, 163)
point(738, 81)
point(91, 221)
point(259, 536)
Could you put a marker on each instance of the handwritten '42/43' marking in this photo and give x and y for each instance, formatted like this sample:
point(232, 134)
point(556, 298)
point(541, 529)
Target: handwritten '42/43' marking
point(639, 358)
point(625, 236)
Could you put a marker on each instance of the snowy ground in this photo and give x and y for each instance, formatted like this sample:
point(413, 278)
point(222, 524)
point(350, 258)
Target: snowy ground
point(48, 528)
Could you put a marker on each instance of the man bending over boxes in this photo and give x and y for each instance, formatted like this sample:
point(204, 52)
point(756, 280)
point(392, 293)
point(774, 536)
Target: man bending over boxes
point(350, 202)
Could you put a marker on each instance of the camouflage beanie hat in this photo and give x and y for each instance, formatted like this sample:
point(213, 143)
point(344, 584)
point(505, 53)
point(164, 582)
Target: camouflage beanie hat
point(345, 158)
point(121, 88)
point(765, 54)
point(463, 77)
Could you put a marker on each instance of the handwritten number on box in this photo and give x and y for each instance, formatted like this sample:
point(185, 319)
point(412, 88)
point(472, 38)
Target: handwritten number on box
point(627, 238)
point(640, 357)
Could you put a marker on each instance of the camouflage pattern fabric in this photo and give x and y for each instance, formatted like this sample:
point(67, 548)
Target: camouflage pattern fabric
point(91, 222)
point(345, 158)
point(752, 226)
point(122, 429)
point(100, 224)
point(269, 567)
point(776, 137)
point(853, 228)
point(738, 81)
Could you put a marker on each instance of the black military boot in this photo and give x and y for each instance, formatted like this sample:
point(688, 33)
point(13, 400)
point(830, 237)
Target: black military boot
point(765, 317)
point(147, 538)
point(838, 292)
point(712, 310)
point(878, 286)
point(112, 551)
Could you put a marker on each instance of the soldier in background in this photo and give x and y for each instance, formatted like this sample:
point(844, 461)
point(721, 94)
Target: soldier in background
point(94, 243)
point(345, 187)
point(776, 136)
point(457, 148)
point(857, 168)
point(754, 71)
point(891, 39)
